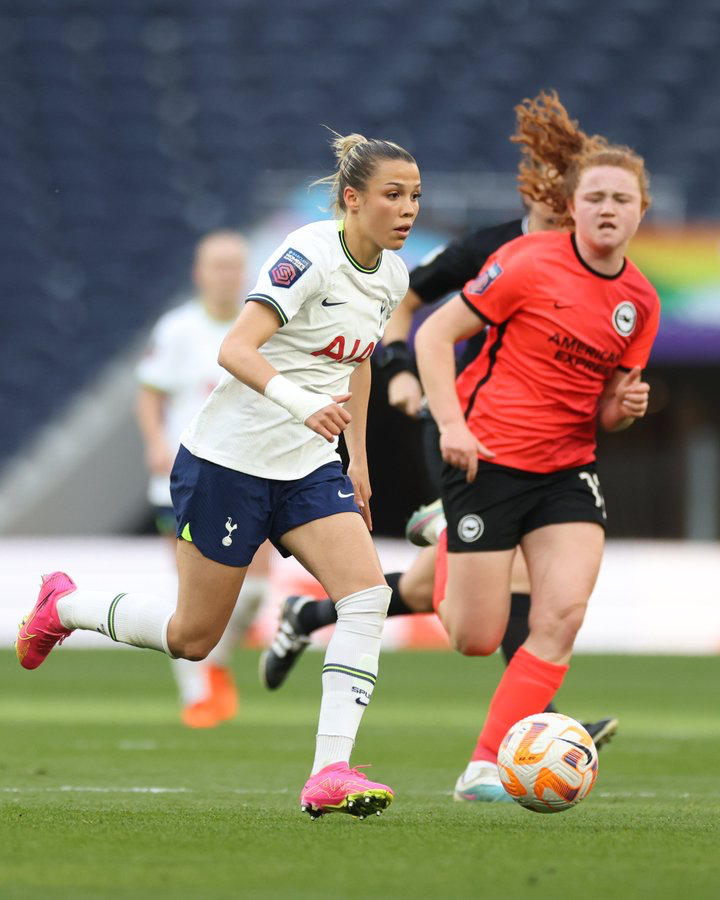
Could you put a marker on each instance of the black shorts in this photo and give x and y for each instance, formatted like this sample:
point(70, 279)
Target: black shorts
point(502, 505)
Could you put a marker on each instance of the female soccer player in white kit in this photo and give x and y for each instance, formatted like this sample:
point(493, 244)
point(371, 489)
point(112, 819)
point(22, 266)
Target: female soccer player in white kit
point(176, 374)
point(259, 461)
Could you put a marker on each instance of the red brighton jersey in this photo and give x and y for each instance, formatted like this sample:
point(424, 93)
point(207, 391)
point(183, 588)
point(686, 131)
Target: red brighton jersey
point(558, 330)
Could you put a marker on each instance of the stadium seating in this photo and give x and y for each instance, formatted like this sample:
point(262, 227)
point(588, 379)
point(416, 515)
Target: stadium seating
point(128, 128)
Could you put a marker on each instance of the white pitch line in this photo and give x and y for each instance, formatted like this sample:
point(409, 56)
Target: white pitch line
point(137, 745)
point(95, 789)
point(73, 789)
point(99, 789)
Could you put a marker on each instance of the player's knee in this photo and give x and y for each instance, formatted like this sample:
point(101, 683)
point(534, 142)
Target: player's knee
point(573, 619)
point(561, 625)
point(194, 655)
point(473, 644)
point(194, 649)
point(419, 596)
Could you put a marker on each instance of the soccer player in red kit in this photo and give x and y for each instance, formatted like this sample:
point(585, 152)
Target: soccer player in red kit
point(571, 324)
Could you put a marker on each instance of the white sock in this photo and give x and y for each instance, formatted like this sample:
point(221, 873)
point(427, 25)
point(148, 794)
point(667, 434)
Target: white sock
point(436, 529)
point(349, 673)
point(138, 619)
point(329, 749)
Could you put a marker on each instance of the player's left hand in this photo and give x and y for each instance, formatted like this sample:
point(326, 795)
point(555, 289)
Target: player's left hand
point(632, 394)
point(358, 474)
point(460, 448)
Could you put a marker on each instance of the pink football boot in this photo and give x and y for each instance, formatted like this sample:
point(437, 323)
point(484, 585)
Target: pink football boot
point(42, 629)
point(338, 788)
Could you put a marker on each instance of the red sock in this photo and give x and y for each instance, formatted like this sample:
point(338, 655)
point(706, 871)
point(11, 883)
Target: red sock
point(441, 570)
point(527, 686)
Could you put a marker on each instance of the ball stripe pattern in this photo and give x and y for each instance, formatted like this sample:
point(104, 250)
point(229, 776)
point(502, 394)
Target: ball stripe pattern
point(548, 762)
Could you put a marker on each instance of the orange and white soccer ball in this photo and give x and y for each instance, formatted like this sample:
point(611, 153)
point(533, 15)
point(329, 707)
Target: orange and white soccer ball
point(548, 762)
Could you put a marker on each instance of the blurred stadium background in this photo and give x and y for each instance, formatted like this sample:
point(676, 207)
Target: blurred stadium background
point(129, 128)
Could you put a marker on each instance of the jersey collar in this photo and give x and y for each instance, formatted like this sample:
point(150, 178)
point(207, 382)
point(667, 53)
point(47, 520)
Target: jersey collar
point(590, 268)
point(348, 254)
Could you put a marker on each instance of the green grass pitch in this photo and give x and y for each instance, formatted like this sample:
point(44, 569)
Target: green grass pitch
point(103, 794)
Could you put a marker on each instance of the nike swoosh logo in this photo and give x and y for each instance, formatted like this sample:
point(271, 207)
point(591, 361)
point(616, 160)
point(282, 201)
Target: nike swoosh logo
point(359, 702)
point(26, 623)
point(326, 302)
point(585, 750)
point(24, 627)
point(345, 496)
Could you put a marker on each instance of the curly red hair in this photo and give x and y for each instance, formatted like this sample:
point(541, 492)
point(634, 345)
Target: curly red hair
point(556, 151)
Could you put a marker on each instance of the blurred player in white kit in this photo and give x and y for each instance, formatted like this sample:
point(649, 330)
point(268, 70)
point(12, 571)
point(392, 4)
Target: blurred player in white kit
point(176, 375)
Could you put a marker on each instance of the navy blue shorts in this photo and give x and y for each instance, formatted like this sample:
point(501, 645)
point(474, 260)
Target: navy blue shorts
point(228, 514)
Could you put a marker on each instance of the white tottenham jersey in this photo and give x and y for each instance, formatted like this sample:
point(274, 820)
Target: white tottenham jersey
point(181, 361)
point(332, 314)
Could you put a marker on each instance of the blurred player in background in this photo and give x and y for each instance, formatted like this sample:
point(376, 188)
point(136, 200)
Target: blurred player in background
point(571, 324)
point(177, 374)
point(447, 271)
point(260, 461)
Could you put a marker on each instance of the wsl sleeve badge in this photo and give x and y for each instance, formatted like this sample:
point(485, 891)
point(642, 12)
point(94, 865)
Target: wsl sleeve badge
point(485, 279)
point(291, 266)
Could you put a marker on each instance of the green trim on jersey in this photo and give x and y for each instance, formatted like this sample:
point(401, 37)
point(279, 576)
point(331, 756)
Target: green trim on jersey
point(185, 533)
point(272, 303)
point(346, 251)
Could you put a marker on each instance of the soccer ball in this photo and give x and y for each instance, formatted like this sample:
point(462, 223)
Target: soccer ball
point(547, 762)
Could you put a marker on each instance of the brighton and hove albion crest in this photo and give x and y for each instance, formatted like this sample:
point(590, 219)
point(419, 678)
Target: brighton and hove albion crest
point(470, 528)
point(624, 318)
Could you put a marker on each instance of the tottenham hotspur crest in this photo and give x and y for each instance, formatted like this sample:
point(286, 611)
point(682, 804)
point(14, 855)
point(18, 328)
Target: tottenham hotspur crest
point(229, 527)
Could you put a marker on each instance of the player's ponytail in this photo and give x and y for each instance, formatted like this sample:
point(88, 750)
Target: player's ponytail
point(357, 157)
point(555, 151)
point(343, 145)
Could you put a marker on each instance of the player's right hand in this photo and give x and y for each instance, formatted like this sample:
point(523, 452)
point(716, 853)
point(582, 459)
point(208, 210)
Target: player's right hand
point(329, 421)
point(405, 393)
point(460, 448)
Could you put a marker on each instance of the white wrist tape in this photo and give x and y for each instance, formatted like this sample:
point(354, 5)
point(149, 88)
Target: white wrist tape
point(301, 404)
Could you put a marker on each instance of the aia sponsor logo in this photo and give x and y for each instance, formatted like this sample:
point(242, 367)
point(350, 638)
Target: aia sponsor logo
point(339, 350)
